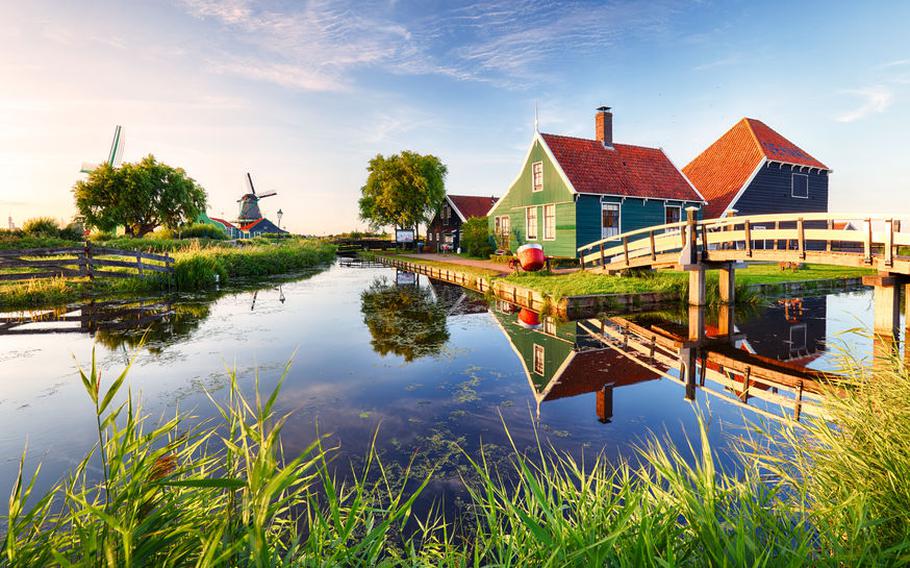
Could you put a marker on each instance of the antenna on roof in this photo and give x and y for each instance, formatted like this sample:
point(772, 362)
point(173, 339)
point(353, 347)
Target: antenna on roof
point(536, 118)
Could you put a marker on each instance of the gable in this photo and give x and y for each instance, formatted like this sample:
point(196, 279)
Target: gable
point(556, 187)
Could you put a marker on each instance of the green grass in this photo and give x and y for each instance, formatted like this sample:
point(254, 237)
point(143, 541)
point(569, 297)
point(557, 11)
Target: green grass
point(586, 282)
point(197, 266)
point(178, 493)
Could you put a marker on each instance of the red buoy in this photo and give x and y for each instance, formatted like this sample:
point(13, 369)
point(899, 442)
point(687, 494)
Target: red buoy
point(528, 319)
point(531, 257)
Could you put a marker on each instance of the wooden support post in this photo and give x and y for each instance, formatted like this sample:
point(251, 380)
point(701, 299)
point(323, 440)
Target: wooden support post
point(691, 225)
point(696, 323)
point(605, 404)
point(697, 286)
point(776, 228)
point(688, 370)
point(139, 265)
point(725, 321)
point(625, 249)
point(727, 284)
point(653, 249)
point(747, 382)
point(886, 302)
point(889, 243)
point(801, 234)
point(748, 229)
point(603, 259)
point(704, 242)
point(867, 243)
point(828, 240)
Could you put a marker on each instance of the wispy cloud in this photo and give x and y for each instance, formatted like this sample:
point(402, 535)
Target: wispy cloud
point(875, 99)
point(722, 62)
point(318, 45)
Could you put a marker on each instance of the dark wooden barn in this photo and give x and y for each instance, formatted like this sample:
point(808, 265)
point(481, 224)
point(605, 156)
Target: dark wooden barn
point(444, 230)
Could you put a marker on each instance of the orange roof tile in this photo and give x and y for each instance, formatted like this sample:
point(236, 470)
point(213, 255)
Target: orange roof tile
point(726, 165)
point(472, 205)
point(634, 171)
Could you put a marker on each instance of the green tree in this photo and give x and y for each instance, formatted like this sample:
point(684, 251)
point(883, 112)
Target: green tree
point(402, 190)
point(475, 237)
point(139, 196)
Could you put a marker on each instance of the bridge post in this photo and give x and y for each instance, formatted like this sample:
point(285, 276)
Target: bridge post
point(697, 286)
point(687, 358)
point(725, 320)
point(604, 404)
point(886, 302)
point(727, 284)
point(695, 266)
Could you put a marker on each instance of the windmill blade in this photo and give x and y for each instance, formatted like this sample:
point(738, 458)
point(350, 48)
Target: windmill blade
point(88, 167)
point(249, 182)
point(269, 194)
point(113, 157)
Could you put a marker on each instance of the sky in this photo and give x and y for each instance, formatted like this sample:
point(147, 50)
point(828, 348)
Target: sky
point(302, 94)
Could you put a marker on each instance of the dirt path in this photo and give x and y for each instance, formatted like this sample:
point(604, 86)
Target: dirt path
point(477, 263)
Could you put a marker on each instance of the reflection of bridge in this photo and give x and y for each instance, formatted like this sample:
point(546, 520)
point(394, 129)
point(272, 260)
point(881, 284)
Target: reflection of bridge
point(721, 360)
point(88, 318)
point(870, 241)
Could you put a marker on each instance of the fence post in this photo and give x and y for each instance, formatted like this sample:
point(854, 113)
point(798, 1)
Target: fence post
point(139, 264)
point(801, 233)
point(828, 240)
point(889, 243)
point(653, 248)
point(748, 228)
point(88, 261)
point(691, 222)
point(867, 245)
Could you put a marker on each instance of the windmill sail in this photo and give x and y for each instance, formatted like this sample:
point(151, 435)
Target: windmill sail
point(115, 155)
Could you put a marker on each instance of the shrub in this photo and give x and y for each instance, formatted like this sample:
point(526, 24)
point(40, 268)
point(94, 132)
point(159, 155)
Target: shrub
point(41, 227)
point(73, 232)
point(201, 231)
point(475, 237)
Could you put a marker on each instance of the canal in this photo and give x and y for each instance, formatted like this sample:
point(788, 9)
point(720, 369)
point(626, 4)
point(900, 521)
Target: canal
point(435, 369)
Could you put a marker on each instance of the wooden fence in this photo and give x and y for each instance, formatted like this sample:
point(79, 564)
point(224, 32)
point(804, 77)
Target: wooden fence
point(88, 261)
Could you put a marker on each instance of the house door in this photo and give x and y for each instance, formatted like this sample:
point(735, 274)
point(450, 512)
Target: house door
point(503, 231)
point(609, 220)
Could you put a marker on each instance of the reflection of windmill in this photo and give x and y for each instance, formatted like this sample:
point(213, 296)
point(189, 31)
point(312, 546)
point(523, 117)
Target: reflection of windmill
point(113, 157)
point(249, 202)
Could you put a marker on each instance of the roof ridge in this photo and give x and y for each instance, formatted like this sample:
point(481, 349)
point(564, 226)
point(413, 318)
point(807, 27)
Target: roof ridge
point(748, 122)
point(596, 140)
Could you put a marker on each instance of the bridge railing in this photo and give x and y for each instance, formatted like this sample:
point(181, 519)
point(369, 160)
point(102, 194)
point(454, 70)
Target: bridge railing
point(844, 239)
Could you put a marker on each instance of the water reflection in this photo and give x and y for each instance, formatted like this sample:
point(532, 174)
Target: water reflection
point(404, 319)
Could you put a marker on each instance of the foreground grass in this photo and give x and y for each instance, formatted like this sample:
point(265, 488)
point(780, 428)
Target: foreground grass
point(196, 267)
point(177, 494)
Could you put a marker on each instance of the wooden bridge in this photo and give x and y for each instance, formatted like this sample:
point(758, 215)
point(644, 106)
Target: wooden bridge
point(852, 240)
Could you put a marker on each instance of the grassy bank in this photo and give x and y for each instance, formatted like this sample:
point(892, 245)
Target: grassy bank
point(177, 494)
point(198, 265)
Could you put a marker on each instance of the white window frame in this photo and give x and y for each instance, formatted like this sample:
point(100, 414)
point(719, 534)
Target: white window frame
point(604, 205)
point(536, 171)
point(549, 325)
point(540, 355)
point(547, 235)
point(528, 223)
point(793, 186)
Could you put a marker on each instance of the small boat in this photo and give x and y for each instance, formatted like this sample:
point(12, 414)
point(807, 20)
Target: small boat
point(531, 257)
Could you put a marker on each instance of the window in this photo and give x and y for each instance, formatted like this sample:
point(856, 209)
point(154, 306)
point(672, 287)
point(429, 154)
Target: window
point(537, 176)
point(538, 359)
point(549, 222)
point(800, 186)
point(549, 325)
point(531, 223)
point(672, 214)
point(503, 228)
point(609, 221)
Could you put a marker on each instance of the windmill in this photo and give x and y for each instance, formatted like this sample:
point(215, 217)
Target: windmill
point(249, 202)
point(113, 157)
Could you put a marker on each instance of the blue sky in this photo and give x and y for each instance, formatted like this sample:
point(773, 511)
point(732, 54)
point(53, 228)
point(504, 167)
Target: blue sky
point(302, 94)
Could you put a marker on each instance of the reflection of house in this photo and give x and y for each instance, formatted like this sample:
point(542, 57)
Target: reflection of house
point(444, 231)
point(561, 360)
point(456, 300)
point(793, 330)
point(755, 170)
point(573, 191)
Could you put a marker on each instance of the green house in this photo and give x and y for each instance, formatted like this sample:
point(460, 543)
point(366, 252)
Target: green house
point(571, 192)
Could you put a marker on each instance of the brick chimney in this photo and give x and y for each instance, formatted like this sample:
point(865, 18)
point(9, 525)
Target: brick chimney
point(603, 126)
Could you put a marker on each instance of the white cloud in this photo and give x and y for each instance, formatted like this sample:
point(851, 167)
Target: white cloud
point(875, 99)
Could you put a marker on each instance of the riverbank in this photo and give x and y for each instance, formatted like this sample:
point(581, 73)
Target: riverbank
point(199, 264)
point(178, 493)
point(581, 294)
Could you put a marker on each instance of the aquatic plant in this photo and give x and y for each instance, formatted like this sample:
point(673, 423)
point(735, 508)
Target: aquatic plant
point(177, 493)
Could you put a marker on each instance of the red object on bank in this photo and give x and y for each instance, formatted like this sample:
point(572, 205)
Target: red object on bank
point(531, 257)
point(528, 319)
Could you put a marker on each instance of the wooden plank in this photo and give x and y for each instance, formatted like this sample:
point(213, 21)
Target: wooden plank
point(40, 252)
point(38, 275)
point(801, 238)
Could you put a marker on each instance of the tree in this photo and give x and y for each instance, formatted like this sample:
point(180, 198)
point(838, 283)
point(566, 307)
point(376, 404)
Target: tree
point(475, 237)
point(402, 190)
point(140, 196)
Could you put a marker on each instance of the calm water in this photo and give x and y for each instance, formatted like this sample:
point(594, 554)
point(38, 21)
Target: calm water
point(426, 363)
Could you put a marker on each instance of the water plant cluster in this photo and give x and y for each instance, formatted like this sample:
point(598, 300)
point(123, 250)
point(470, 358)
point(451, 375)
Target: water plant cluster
point(179, 493)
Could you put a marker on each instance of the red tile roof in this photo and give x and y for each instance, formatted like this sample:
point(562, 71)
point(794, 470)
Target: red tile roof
point(250, 225)
point(726, 165)
point(472, 205)
point(634, 171)
point(223, 222)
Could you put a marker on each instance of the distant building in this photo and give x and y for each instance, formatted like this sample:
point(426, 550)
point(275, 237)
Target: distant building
point(571, 192)
point(250, 221)
point(754, 170)
point(444, 230)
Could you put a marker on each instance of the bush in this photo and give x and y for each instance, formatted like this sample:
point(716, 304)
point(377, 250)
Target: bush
point(73, 232)
point(41, 227)
point(475, 237)
point(193, 231)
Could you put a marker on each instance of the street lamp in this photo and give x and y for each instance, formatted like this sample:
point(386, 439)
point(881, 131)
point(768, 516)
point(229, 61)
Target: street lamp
point(280, 213)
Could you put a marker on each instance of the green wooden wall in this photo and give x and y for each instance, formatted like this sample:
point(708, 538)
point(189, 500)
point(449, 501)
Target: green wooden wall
point(635, 213)
point(520, 196)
